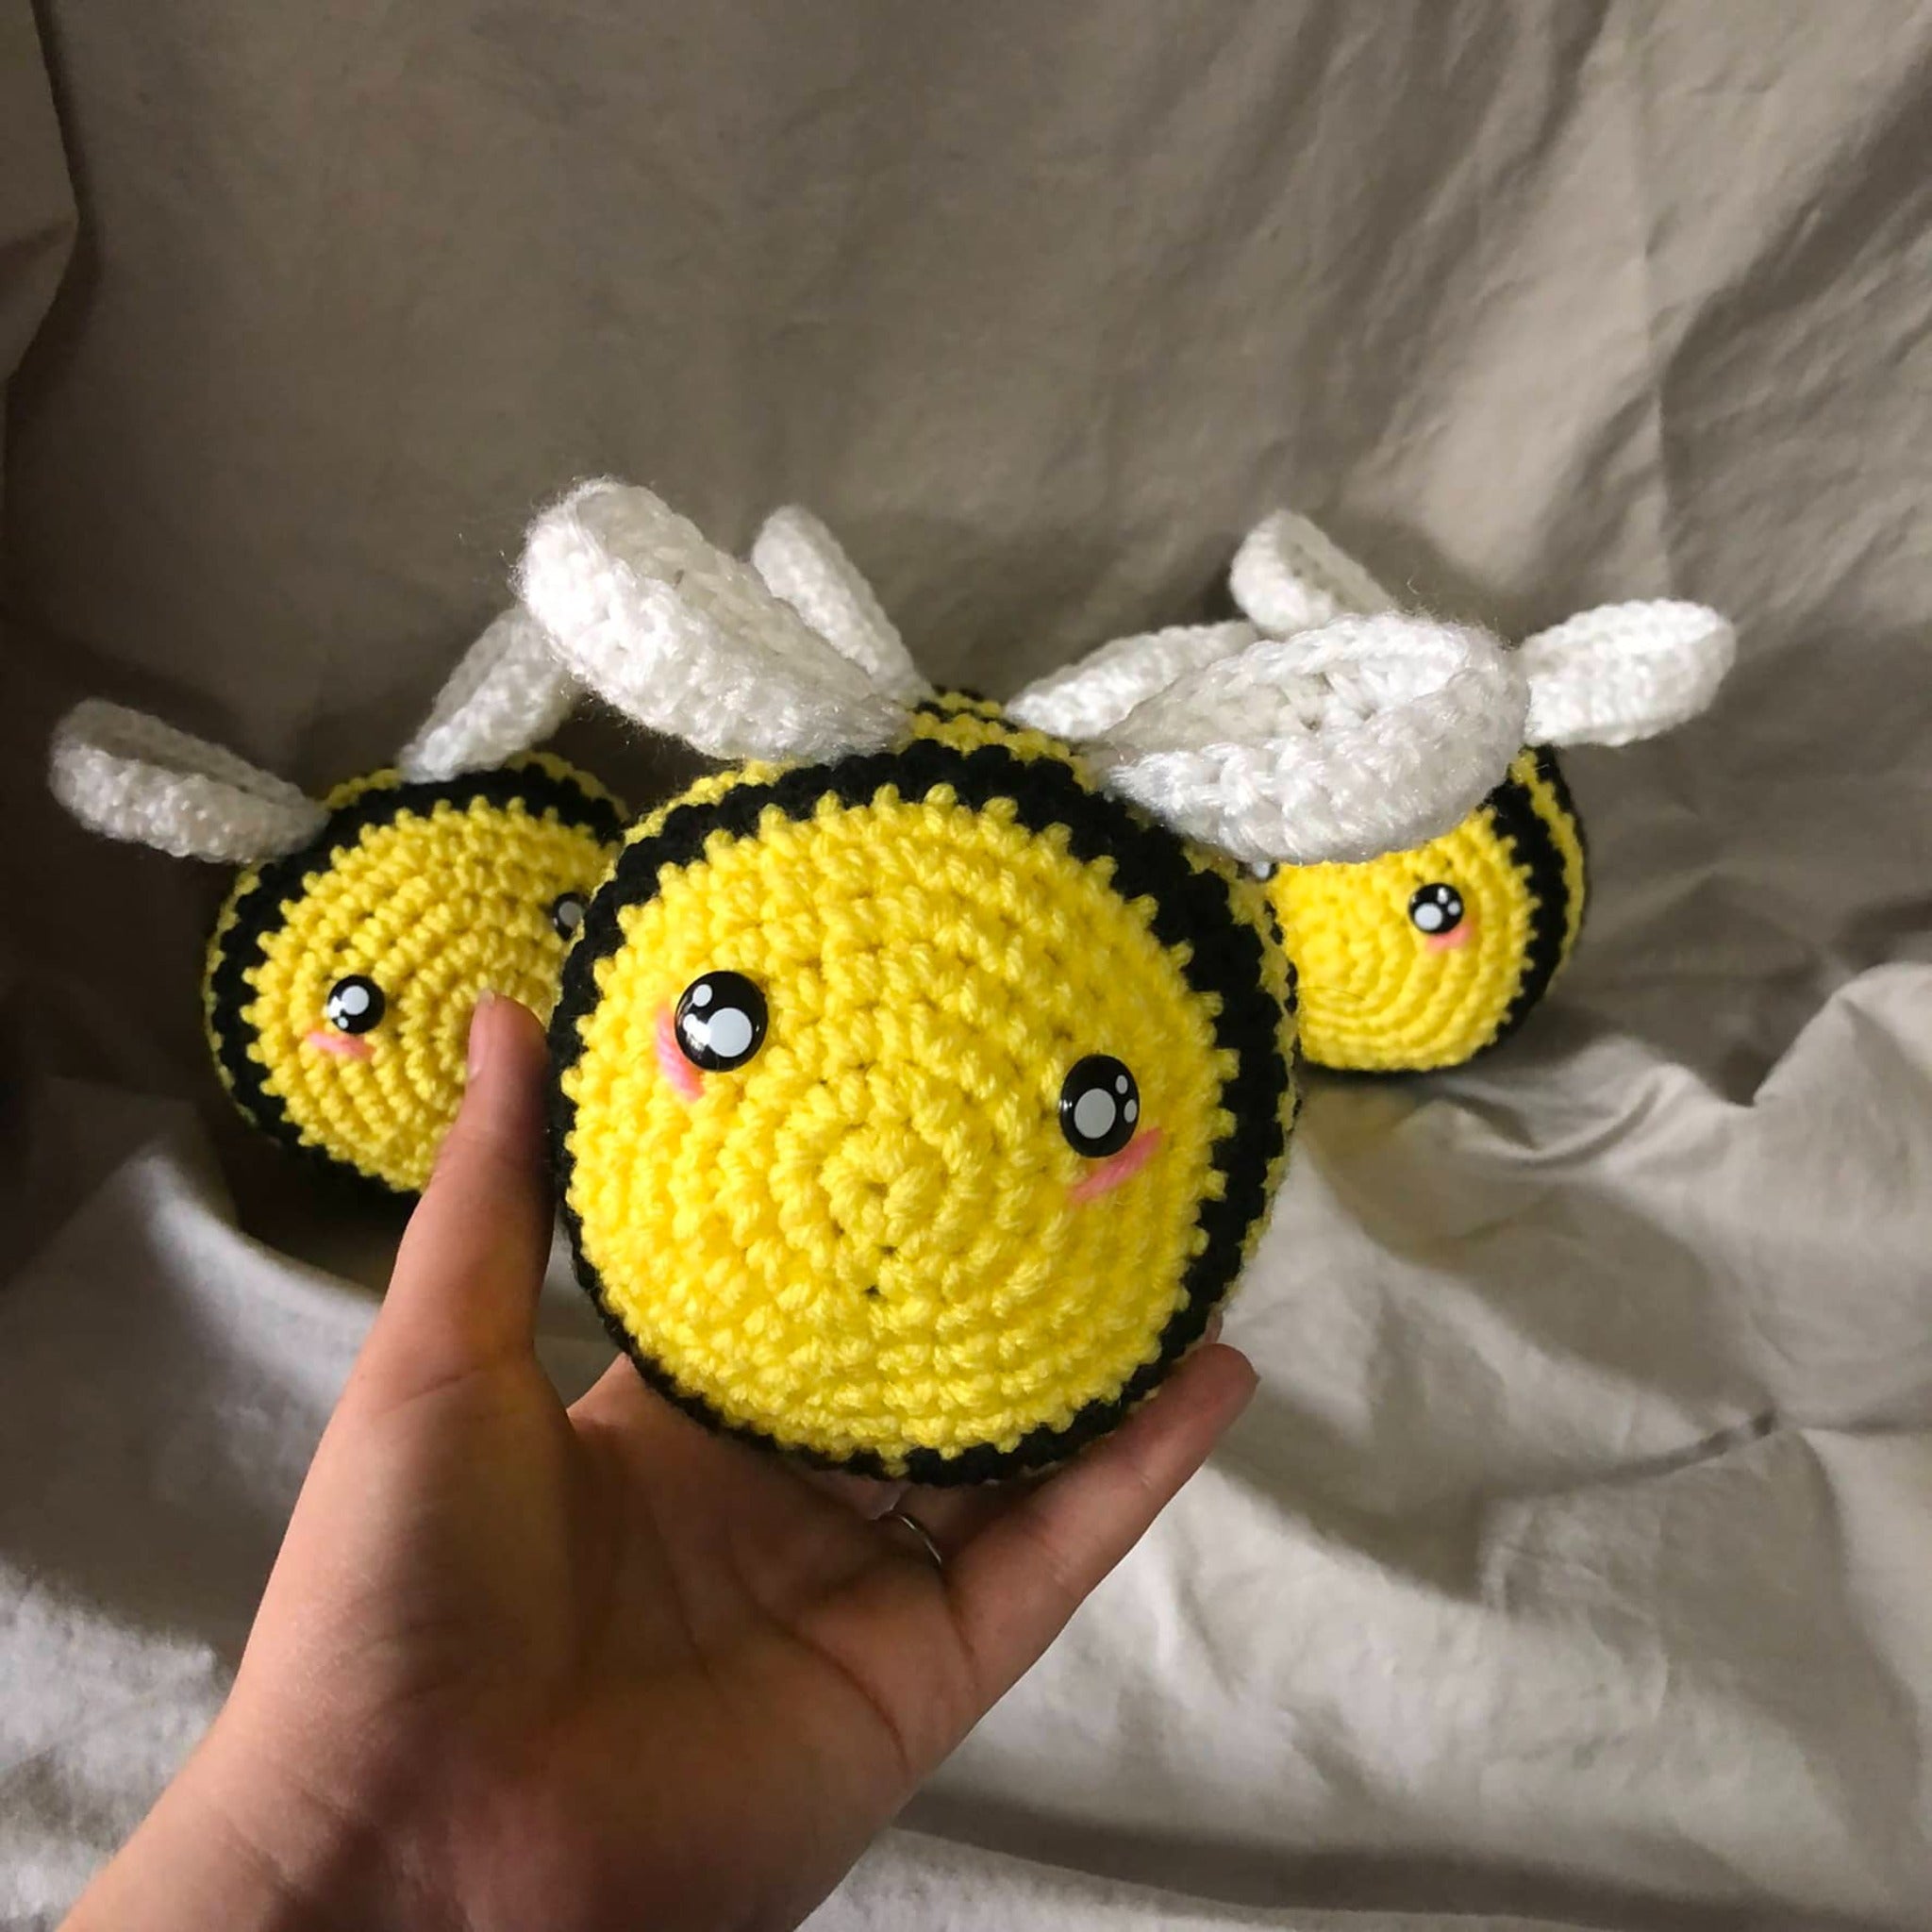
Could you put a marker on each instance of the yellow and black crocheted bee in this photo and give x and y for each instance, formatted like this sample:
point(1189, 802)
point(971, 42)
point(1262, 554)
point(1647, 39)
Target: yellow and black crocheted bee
point(1430, 956)
point(355, 941)
point(923, 1081)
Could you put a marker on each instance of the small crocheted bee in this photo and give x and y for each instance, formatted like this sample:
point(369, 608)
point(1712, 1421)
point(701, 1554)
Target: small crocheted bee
point(346, 958)
point(1427, 957)
point(923, 1081)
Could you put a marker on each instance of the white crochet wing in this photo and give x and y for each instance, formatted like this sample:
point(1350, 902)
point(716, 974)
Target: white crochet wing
point(131, 776)
point(1086, 698)
point(1611, 675)
point(1367, 735)
point(1290, 576)
point(1625, 672)
point(803, 563)
point(508, 692)
point(687, 640)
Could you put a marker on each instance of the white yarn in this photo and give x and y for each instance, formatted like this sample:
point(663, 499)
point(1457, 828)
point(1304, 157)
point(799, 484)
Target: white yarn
point(1625, 672)
point(1611, 675)
point(508, 693)
point(1289, 576)
point(687, 640)
point(1369, 735)
point(129, 775)
point(803, 563)
point(1086, 698)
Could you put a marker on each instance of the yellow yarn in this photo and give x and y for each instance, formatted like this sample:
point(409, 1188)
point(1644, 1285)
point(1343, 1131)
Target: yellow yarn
point(866, 1240)
point(1374, 995)
point(434, 906)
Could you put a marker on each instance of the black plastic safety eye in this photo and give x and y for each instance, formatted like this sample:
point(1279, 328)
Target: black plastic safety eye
point(1100, 1106)
point(567, 914)
point(720, 1022)
point(1435, 908)
point(354, 1004)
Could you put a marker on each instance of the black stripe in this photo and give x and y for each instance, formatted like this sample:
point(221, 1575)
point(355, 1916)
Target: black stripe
point(264, 908)
point(1550, 773)
point(1513, 810)
point(1193, 910)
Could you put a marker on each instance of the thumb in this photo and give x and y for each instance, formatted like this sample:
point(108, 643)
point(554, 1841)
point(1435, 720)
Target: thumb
point(471, 1266)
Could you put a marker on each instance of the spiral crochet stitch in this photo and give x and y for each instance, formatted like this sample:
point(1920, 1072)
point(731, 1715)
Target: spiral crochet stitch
point(923, 1086)
point(1424, 958)
point(884, 1239)
point(341, 978)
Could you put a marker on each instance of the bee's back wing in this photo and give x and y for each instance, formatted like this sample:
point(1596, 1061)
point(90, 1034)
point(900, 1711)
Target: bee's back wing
point(508, 692)
point(803, 563)
point(131, 776)
point(1290, 576)
point(1625, 671)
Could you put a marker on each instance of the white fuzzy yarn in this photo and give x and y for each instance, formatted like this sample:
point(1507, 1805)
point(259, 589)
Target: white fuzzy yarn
point(803, 563)
point(686, 638)
point(1611, 675)
point(508, 693)
point(1369, 735)
point(1625, 671)
point(1088, 697)
point(131, 776)
point(1360, 737)
point(1290, 576)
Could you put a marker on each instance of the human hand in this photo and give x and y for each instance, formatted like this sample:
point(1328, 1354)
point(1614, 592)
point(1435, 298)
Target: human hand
point(520, 1665)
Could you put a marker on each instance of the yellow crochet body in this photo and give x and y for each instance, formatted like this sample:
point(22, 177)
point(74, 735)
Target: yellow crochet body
point(427, 893)
point(1382, 993)
point(873, 1241)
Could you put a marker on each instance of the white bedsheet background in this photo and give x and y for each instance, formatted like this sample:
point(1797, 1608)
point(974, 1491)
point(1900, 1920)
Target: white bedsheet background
point(1574, 1563)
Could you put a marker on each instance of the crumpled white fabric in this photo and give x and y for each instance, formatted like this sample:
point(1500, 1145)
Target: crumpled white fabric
point(1572, 1556)
point(1571, 1566)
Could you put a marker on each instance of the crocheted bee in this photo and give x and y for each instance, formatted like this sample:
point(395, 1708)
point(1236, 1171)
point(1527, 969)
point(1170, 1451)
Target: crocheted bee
point(1427, 957)
point(922, 1080)
point(348, 953)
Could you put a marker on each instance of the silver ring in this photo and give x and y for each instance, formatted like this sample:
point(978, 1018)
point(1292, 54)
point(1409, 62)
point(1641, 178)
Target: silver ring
point(920, 1531)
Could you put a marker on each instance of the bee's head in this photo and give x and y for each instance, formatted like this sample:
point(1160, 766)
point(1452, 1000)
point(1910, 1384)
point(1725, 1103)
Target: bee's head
point(348, 955)
point(923, 1080)
point(1424, 957)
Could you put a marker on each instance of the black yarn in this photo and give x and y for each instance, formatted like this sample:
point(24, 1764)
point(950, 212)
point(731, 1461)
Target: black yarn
point(263, 909)
point(1513, 808)
point(1193, 910)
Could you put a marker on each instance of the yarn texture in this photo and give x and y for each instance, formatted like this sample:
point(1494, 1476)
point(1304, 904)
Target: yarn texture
point(1381, 992)
point(1337, 743)
point(427, 892)
point(131, 776)
point(350, 949)
point(873, 1242)
point(924, 1084)
point(688, 639)
point(507, 693)
point(1426, 958)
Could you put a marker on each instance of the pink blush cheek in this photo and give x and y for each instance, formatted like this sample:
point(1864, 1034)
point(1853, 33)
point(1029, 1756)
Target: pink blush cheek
point(344, 1045)
point(1120, 1167)
point(1456, 936)
point(671, 1063)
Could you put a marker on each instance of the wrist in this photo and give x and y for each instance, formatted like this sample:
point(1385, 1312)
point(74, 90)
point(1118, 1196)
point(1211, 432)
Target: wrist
point(234, 1842)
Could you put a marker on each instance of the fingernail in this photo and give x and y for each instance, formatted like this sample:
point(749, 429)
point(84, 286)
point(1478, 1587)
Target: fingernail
point(480, 1034)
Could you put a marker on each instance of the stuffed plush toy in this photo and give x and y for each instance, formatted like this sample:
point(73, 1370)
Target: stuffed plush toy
point(1429, 956)
point(922, 1080)
point(362, 926)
